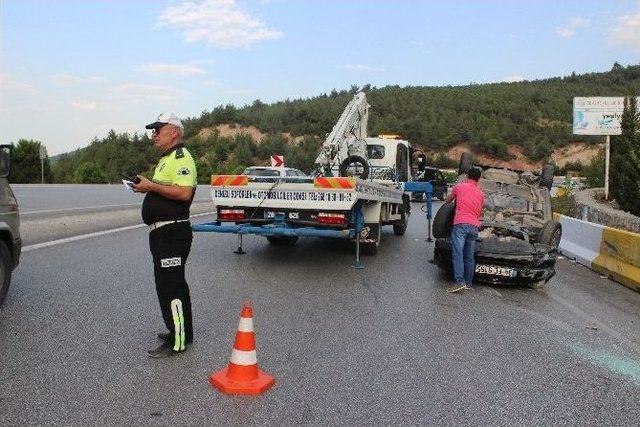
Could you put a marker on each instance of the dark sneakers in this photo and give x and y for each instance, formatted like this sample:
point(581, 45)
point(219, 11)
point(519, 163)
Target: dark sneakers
point(164, 350)
point(166, 336)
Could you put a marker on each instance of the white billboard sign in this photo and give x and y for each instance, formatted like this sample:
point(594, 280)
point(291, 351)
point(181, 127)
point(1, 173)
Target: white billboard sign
point(598, 115)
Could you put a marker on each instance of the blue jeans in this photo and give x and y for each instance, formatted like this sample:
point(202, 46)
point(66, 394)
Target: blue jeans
point(463, 246)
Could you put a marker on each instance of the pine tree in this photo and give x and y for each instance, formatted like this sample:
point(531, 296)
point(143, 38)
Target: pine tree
point(625, 160)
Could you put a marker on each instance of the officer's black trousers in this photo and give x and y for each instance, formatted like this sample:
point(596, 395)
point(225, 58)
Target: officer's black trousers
point(170, 246)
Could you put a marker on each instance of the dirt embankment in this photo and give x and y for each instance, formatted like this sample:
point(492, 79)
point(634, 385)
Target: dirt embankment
point(572, 153)
point(231, 130)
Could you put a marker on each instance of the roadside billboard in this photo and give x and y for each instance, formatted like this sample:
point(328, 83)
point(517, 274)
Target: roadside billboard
point(598, 115)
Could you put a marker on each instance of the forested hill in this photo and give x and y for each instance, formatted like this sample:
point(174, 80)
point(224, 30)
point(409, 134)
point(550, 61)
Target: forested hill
point(535, 115)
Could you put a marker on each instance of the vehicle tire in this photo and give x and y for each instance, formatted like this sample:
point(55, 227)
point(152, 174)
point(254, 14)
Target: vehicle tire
point(536, 285)
point(282, 240)
point(355, 160)
point(400, 227)
point(551, 234)
point(5, 271)
point(443, 221)
point(371, 248)
point(442, 195)
point(546, 176)
point(466, 161)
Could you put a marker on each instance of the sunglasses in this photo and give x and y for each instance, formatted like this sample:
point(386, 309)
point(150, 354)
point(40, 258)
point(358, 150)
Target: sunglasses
point(157, 129)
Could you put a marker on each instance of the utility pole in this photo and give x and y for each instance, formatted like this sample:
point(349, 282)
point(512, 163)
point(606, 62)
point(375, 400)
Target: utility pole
point(607, 149)
point(43, 153)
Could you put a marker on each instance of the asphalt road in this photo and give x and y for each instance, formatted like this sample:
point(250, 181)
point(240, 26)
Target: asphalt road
point(384, 346)
point(49, 200)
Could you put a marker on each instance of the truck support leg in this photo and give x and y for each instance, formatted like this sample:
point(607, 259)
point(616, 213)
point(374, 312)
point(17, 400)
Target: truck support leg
point(358, 225)
point(239, 251)
point(429, 200)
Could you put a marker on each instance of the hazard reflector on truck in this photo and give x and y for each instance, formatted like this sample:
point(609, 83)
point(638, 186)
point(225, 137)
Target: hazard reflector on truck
point(229, 180)
point(335, 182)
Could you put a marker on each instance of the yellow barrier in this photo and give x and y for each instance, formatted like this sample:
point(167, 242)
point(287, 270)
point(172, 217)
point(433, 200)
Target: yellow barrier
point(620, 257)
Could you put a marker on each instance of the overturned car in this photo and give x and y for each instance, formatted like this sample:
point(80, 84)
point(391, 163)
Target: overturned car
point(518, 239)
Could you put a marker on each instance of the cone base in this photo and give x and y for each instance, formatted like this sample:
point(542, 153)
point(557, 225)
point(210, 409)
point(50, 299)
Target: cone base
point(259, 385)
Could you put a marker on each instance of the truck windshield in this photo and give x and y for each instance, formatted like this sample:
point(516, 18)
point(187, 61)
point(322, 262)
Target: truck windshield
point(375, 151)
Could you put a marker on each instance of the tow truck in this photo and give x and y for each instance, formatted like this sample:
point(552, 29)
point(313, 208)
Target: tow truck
point(359, 185)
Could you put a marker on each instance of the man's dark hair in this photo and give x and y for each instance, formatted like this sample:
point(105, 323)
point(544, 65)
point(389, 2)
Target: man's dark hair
point(474, 173)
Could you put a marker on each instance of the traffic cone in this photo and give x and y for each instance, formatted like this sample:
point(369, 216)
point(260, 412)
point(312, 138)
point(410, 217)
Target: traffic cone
point(242, 375)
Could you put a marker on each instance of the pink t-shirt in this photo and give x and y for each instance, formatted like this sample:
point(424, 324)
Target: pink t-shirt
point(469, 199)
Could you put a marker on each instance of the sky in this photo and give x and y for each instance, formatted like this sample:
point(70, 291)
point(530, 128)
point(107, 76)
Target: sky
point(72, 70)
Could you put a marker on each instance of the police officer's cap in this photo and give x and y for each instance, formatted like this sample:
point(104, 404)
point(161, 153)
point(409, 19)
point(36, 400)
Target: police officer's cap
point(165, 119)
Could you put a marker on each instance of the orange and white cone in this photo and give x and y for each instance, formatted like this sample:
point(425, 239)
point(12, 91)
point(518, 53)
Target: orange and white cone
point(242, 375)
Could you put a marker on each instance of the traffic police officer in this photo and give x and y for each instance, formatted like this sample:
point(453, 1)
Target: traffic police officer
point(166, 211)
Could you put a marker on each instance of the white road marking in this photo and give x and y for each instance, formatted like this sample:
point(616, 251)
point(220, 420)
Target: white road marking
point(92, 207)
point(90, 235)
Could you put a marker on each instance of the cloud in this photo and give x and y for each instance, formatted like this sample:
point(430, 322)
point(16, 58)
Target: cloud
point(571, 27)
point(513, 79)
point(239, 92)
point(627, 30)
point(177, 69)
point(10, 85)
point(362, 67)
point(137, 92)
point(68, 79)
point(221, 23)
point(84, 105)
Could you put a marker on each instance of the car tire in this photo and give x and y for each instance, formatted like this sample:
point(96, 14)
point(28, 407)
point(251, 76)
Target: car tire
point(400, 227)
point(466, 161)
point(442, 195)
point(282, 240)
point(344, 166)
point(546, 176)
point(443, 221)
point(551, 234)
point(371, 248)
point(5, 271)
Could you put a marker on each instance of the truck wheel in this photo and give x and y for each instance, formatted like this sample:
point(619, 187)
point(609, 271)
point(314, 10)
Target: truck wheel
point(357, 163)
point(400, 227)
point(546, 176)
point(551, 234)
point(5, 271)
point(443, 221)
point(282, 240)
point(371, 247)
point(466, 161)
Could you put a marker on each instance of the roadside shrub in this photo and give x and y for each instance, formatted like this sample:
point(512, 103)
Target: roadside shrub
point(89, 173)
point(494, 148)
point(594, 171)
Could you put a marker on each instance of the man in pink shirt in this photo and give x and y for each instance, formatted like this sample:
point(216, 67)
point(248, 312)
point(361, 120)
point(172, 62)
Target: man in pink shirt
point(469, 200)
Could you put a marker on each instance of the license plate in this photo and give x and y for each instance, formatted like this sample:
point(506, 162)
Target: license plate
point(494, 270)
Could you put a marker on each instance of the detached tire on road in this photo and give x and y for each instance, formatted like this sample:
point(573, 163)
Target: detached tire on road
point(443, 221)
point(375, 233)
point(551, 234)
point(5, 271)
point(466, 161)
point(546, 176)
point(282, 240)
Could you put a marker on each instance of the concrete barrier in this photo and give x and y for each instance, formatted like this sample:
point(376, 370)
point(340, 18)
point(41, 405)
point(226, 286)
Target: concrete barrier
point(609, 251)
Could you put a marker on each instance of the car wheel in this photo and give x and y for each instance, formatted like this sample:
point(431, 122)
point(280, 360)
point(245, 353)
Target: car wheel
point(536, 285)
point(551, 234)
point(375, 233)
point(282, 240)
point(466, 161)
point(442, 195)
point(546, 176)
point(400, 227)
point(5, 271)
point(443, 221)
